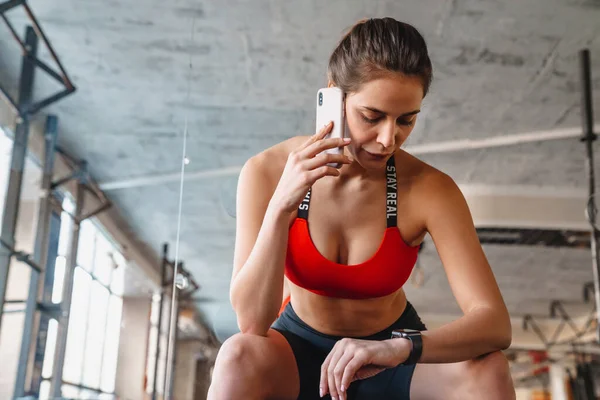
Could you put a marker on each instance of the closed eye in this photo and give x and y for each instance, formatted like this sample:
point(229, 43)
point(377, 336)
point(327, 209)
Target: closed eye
point(371, 120)
point(400, 121)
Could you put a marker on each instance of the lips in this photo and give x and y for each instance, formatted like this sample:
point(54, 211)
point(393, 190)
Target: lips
point(377, 155)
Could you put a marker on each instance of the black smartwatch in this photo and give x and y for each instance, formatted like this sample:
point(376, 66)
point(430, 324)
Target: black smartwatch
point(417, 344)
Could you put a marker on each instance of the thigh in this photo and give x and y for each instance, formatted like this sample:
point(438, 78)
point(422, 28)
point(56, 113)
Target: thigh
point(435, 381)
point(486, 377)
point(309, 357)
point(283, 377)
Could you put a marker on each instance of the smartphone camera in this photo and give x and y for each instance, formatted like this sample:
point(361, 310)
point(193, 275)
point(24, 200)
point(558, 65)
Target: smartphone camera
point(320, 98)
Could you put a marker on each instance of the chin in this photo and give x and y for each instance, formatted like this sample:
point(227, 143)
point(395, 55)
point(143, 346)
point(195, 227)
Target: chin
point(362, 160)
point(372, 159)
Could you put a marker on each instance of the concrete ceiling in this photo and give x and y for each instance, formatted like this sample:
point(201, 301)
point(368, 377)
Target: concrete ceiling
point(501, 68)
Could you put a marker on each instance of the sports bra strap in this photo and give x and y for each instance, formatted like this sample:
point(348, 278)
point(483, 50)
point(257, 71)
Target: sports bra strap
point(391, 197)
point(304, 206)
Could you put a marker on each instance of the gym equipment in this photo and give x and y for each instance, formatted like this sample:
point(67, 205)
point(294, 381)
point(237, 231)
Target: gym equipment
point(582, 383)
point(29, 108)
point(589, 137)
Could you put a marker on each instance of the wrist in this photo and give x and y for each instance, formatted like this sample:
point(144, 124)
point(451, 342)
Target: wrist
point(277, 212)
point(401, 349)
point(415, 342)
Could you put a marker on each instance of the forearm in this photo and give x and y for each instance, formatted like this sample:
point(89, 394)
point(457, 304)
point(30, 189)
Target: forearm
point(477, 333)
point(257, 290)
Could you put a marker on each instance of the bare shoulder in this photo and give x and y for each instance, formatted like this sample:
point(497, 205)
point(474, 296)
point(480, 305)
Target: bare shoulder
point(269, 163)
point(417, 172)
point(429, 187)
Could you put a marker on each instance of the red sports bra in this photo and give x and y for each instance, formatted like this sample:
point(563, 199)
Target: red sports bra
point(382, 274)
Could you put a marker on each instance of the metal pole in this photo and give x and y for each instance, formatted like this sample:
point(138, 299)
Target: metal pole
point(39, 256)
point(589, 137)
point(14, 34)
point(9, 4)
point(49, 310)
point(63, 324)
point(174, 352)
point(163, 272)
point(42, 35)
point(13, 194)
point(172, 319)
point(168, 350)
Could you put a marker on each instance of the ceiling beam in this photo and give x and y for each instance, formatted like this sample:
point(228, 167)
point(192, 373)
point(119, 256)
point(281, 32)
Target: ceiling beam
point(160, 179)
point(527, 207)
point(430, 148)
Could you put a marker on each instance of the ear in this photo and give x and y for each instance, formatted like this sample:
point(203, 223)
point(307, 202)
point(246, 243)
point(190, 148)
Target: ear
point(330, 83)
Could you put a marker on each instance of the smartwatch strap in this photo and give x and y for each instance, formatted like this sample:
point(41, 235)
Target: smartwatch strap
point(417, 344)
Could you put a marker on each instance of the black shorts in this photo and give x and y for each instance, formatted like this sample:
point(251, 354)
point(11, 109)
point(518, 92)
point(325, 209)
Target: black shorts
point(311, 347)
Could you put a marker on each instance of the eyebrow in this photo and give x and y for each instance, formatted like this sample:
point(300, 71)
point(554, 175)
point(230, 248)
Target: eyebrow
point(408, 114)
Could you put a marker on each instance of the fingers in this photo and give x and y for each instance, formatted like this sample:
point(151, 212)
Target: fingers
point(321, 133)
point(366, 371)
point(339, 371)
point(349, 360)
point(326, 158)
point(334, 370)
point(323, 144)
point(324, 130)
point(323, 386)
point(320, 172)
point(337, 365)
point(350, 371)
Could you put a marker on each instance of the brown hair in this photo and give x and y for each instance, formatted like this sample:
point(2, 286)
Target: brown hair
point(377, 46)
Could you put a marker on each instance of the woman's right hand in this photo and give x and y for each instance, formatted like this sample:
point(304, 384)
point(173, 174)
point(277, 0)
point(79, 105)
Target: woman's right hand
point(305, 166)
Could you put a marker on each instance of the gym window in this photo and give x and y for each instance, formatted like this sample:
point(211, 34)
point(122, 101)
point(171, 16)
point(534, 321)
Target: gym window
point(152, 339)
point(95, 313)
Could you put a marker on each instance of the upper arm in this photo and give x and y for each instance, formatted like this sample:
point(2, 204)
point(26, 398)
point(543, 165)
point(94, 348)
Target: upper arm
point(450, 224)
point(254, 190)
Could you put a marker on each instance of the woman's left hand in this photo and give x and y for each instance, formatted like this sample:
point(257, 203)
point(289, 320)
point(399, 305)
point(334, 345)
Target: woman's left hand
point(355, 359)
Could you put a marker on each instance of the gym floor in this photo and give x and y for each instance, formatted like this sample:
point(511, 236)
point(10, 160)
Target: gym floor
point(503, 119)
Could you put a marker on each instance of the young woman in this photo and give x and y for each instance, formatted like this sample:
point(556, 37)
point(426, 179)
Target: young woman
point(342, 242)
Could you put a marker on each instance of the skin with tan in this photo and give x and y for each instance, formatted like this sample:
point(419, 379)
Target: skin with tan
point(380, 117)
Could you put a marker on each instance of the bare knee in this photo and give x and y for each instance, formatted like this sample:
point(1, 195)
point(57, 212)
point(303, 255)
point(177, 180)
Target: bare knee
point(488, 374)
point(237, 373)
point(496, 369)
point(236, 351)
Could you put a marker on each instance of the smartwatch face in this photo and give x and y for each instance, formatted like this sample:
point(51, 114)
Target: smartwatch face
point(410, 331)
point(404, 332)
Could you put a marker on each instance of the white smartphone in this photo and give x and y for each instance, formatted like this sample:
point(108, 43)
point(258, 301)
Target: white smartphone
point(330, 107)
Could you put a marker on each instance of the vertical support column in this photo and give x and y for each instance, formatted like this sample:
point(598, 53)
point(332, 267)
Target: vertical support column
point(589, 137)
point(13, 194)
point(42, 256)
point(558, 381)
point(173, 362)
point(39, 353)
point(63, 324)
point(173, 309)
point(163, 268)
point(169, 283)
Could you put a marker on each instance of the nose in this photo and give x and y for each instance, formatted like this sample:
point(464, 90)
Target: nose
point(387, 136)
